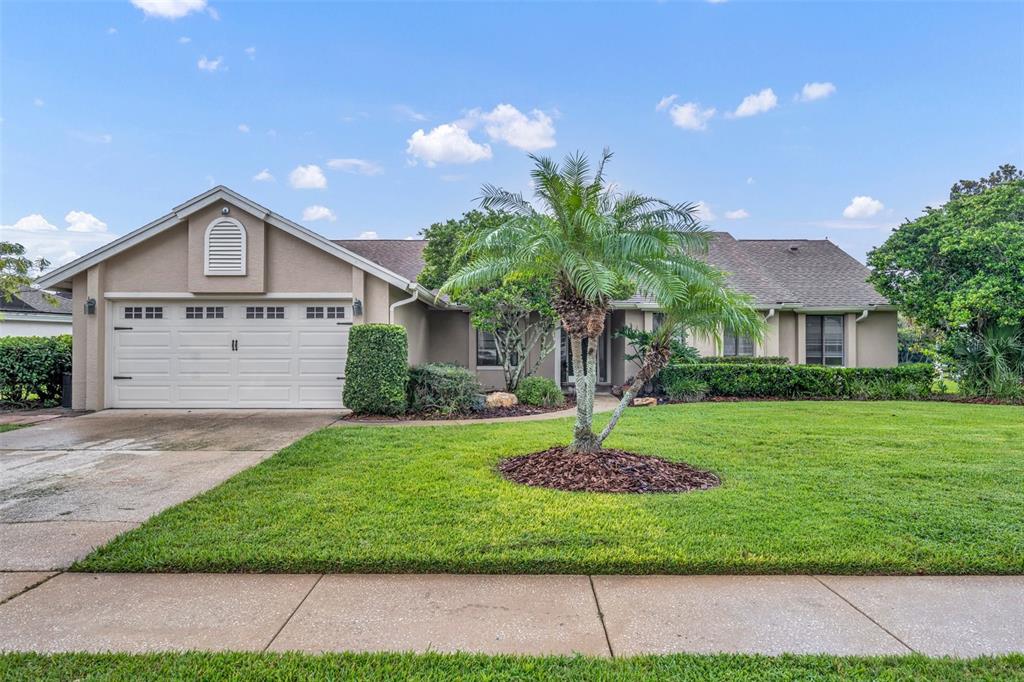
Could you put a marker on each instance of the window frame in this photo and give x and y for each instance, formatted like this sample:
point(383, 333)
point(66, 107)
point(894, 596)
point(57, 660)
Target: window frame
point(732, 345)
point(821, 357)
point(479, 347)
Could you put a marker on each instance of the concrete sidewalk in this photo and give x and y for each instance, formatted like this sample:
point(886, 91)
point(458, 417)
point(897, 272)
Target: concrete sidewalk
point(599, 615)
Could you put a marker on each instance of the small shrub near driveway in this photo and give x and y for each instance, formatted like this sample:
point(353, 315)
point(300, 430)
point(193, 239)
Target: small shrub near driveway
point(443, 389)
point(806, 381)
point(745, 360)
point(377, 371)
point(539, 392)
point(32, 368)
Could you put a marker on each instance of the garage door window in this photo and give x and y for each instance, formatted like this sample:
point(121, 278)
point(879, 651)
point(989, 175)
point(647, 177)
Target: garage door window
point(133, 313)
point(335, 312)
point(314, 312)
point(254, 312)
point(275, 312)
point(154, 312)
point(197, 312)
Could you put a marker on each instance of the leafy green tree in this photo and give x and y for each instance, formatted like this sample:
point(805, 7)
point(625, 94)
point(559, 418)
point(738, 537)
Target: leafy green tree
point(516, 310)
point(595, 245)
point(16, 269)
point(958, 273)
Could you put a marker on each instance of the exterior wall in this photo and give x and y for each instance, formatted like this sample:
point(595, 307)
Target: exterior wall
point(769, 346)
point(11, 325)
point(80, 347)
point(787, 336)
point(413, 316)
point(254, 280)
point(158, 264)
point(877, 345)
point(376, 300)
point(449, 337)
point(297, 267)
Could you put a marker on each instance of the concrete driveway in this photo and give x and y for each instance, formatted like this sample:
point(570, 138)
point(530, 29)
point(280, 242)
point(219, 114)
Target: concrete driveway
point(70, 484)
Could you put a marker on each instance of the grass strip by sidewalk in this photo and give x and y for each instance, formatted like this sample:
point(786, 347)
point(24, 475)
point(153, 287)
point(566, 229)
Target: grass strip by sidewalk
point(808, 487)
point(241, 667)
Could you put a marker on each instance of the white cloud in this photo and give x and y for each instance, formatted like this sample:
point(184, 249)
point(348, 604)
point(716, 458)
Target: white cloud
point(308, 177)
point(169, 9)
point(665, 102)
point(507, 124)
point(30, 223)
point(862, 207)
point(703, 212)
point(111, 31)
point(92, 138)
point(38, 101)
point(447, 143)
point(409, 113)
point(80, 221)
point(369, 234)
point(750, 181)
point(356, 166)
point(690, 116)
point(243, 128)
point(184, 40)
point(44, 240)
point(210, 65)
point(755, 104)
point(263, 176)
point(813, 91)
point(214, 14)
point(251, 52)
point(317, 212)
point(738, 214)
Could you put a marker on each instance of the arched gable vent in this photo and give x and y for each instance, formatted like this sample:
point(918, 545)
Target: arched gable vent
point(224, 252)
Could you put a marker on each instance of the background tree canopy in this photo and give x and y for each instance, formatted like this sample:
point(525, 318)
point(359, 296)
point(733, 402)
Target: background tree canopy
point(961, 264)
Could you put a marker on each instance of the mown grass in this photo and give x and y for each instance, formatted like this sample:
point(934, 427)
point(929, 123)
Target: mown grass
point(4, 428)
point(808, 487)
point(276, 667)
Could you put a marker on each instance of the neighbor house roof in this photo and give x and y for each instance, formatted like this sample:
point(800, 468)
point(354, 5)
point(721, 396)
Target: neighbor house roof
point(28, 300)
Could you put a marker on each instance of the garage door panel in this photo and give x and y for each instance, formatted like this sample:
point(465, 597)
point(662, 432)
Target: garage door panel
point(155, 367)
point(143, 338)
point(234, 361)
point(219, 367)
point(268, 367)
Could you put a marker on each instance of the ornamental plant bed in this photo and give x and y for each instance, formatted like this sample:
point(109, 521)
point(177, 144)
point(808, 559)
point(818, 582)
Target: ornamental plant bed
point(519, 410)
point(605, 471)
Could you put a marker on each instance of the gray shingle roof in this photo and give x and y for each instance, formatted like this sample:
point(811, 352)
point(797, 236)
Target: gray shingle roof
point(401, 256)
point(33, 301)
point(812, 273)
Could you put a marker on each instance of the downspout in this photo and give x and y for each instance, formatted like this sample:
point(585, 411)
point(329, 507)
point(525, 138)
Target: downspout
point(770, 315)
point(391, 310)
point(863, 315)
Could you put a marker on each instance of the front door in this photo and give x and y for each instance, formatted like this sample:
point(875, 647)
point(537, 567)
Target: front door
point(565, 375)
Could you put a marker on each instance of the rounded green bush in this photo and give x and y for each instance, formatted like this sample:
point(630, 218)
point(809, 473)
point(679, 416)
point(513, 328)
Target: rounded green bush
point(539, 392)
point(377, 369)
point(440, 388)
point(32, 368)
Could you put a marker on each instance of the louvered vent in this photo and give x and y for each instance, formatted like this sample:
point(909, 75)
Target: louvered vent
point(225, 247)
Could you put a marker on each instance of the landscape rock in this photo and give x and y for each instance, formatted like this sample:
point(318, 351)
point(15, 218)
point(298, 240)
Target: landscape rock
point(500, 399)
point(644, 402)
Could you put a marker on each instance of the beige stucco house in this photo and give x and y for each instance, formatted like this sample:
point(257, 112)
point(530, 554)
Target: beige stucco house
point(224, 303)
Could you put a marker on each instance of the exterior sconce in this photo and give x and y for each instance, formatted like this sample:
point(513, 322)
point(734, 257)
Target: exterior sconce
point(90, 306)
point(357, 308)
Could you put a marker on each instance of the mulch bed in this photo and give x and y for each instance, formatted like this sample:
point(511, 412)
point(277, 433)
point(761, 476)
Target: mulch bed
point(514, 411)
point(606, 471)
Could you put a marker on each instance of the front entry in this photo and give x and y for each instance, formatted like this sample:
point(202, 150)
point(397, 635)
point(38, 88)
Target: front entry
point(565, 374)
point(228, 353)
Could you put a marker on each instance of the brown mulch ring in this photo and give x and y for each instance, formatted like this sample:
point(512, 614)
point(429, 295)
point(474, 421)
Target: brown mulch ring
point(606, 471)
point(514, 411)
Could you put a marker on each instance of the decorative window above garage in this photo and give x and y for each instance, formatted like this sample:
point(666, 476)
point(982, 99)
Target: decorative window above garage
point(224, 250)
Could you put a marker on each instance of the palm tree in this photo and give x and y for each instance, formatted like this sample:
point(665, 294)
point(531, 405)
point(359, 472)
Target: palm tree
point(597, 245)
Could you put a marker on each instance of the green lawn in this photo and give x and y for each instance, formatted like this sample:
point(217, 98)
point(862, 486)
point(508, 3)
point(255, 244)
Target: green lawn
point(808, 487)
point(241, 667)
point(4, 428)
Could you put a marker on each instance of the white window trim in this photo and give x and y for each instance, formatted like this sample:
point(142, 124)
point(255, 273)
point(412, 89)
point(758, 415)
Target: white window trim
point(206, 248)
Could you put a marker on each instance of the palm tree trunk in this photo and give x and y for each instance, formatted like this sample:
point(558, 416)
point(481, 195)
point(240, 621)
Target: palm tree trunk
point(654, 361)
point(584, 439)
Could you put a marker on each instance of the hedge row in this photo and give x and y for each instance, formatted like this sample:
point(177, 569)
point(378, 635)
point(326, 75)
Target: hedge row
point(32, 368)
point(745, 360)
point(753, 380)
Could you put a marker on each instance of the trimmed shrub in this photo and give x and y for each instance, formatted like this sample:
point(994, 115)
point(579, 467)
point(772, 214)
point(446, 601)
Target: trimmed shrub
point(904, 382)
point(442, 389)
point(377, 369)
point(539, 392)
point(745, 360)
point(32, 368)
point(686, 389)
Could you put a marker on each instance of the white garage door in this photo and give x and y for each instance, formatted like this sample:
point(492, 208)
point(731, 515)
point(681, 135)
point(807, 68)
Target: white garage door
point(266, 353)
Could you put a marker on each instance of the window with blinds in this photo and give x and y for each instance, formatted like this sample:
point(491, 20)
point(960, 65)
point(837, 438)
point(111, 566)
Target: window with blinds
point(225, 247)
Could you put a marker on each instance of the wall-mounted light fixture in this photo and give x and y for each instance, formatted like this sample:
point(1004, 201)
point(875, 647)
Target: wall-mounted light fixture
point(225, 210)
point(357, 307)
point(90, 306)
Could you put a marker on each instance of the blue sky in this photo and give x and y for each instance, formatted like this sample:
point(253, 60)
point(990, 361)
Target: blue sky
point(830, 119)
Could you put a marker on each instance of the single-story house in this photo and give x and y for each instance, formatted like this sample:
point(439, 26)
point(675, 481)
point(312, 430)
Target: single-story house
point(31, 313)
point(224, 303)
